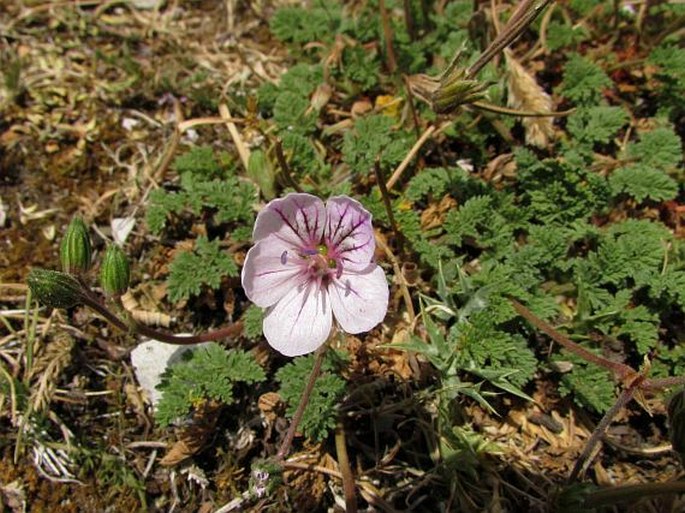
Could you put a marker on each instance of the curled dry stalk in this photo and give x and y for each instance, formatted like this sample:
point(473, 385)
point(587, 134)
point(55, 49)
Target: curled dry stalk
point(634, 382)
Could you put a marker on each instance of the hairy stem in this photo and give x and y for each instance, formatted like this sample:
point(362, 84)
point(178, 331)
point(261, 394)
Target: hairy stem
point(623, 399)
point(93, 302)
point(304, 400)
point(623, 371)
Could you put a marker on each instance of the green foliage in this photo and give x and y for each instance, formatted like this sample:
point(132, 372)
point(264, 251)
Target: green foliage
point(591, 386)
point(482, 346)
point(583, 7)
point(409, 223)
point(374, 137)
point(206, 187)
point(583, 80)
point(205, 265)
point(208, 372)
point(559, 192)
point(252, 322)
point(629, 254)
point(670, 60)
point(361, 67)
point(320, 414)
point(292, 113)
point(199, 162)
point(299, 26)
point(596, 124)
point(660, 148)
point(642, 182)
point(561, 35)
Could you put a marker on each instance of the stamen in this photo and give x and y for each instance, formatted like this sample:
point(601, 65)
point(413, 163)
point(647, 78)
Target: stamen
point(284, 257)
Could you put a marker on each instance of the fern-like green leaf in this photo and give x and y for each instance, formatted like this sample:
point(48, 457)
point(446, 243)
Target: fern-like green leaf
point(206, 265)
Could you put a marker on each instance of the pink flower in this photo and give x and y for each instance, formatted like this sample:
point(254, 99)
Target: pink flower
point(310, 263)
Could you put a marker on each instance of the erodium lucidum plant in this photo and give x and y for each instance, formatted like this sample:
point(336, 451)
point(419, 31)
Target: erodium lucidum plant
point(313, 262)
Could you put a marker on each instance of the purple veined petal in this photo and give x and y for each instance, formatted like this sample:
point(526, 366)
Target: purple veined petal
point(359, 299)
point(300, 322)
point(349, 230)
point(298, 219)
point(267, 276)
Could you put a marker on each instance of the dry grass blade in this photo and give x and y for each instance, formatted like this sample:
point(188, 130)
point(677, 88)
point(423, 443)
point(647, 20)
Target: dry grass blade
point(48, 367)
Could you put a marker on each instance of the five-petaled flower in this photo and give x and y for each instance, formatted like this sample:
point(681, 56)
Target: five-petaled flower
point(312, 262)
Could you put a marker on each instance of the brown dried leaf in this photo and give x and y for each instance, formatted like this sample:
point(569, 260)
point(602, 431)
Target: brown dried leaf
point(191, 439)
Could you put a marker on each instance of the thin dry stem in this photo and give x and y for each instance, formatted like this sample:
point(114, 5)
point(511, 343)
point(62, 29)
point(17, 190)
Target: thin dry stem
point(345, 469)
point(243, 150)
point(408, 158)
point(400, 280)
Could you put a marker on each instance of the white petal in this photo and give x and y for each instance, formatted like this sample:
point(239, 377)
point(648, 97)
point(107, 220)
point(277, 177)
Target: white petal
point(359, 299)
point(300, 322)
point(348, 227)
point(270, 271)
point(297, 219)
point(121, 228)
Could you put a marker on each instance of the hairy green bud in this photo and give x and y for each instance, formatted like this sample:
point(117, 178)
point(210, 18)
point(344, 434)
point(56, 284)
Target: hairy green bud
point(114, 271)
point(54, 288)
point(75, 251)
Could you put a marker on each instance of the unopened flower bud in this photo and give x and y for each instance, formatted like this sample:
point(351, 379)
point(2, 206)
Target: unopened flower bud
point(75, 250)
point(54, 288)
point(114, 271)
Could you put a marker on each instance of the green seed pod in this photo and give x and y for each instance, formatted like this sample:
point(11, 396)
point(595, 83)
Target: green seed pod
point(75, 251)
point(260, 171)
point(114, 271)
point(676, 418)
point(54, 288)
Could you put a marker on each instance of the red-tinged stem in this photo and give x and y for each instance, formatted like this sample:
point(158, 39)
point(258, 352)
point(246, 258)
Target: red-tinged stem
point(304, 400)
point(661, 383)
point(387, 36)
point(92, 301)
point(622, 370)
point(623, 399)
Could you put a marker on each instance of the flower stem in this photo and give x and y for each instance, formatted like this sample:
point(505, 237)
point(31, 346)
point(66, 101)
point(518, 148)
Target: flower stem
point(623, 399)
point(92, 301)
point(304, 400)
point(624, 372)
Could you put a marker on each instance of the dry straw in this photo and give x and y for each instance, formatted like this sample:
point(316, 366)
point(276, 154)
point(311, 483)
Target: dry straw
point(525, 94)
